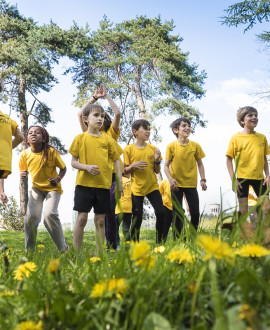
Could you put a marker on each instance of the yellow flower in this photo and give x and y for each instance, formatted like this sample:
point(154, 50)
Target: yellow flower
point(54, 266)
point(41, 246)
point(109, 288)
point(246, 312)
point(192, 287)
point(159, 249)
point(180, 255)
point(215, 248)
point(252, 250)
point(235, 244)
point(139, 253)
point(24, 270)
point(7, 293)
point(29, 325)
point(95, 259)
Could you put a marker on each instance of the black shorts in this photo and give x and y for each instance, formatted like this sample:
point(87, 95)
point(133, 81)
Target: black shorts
point(257, 185)
point(1, 173)
point(87, 197)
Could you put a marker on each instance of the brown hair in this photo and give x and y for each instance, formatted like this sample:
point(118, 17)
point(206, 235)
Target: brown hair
point(92, 107)
point(175, 124)
point(242, 112)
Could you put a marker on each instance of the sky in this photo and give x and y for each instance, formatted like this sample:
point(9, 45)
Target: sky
point(235, 63)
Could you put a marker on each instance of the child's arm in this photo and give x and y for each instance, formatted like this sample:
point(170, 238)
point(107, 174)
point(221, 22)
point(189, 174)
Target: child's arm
point(138, 165)
point(54, 181)
point(118, 169)
point(266, 172)
point(202, 174)
point(92, 169)
point(116, 111)
point(167, 171)
point(157, 161)
point(3, 196)
point(18, 138)
point(231, 173)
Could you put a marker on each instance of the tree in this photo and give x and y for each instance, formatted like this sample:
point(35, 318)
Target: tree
point(27, 56)
point(142, 63)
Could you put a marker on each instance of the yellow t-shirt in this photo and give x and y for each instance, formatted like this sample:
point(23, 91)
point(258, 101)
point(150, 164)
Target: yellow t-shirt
point(8, 128)
point(125, 200)
point(144, 181)
point(94, 150)
point(248, 152)
point(165, 191)
point(183, 162)
point(41, 171)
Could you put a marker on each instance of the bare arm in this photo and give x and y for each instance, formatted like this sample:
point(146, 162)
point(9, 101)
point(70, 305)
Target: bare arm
point(92, 169)
point(18, 138)
point(54, 181)
point(157, 161)
point(202, 174)
point(266, 172)
point(231, 173)
point(116, 111)
point(3, 196)
point(167, 172)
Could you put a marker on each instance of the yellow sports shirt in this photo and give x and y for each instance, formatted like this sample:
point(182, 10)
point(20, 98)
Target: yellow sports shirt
point(143, 181)
point(248, 152)
point(183, 162)
point(41, 171)
point(94, 150)
point(8, 128)
point(165, 191)
point(125, 200)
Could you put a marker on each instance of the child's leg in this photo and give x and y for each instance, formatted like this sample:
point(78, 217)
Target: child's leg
point(110, 221)
point(33, 217)
point(178, 212)
point(79, 229)
point(168, 221)
point(137, 215)
point(156, 201)
point(126, 225)
point(99, 220)
point(193, 204)
point(261, 190)
point(51, 219)
point(243, 196)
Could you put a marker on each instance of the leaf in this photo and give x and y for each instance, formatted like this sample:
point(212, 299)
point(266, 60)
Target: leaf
point(155, 321)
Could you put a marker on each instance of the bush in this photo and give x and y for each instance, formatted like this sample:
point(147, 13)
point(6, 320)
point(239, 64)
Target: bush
point(10, 217)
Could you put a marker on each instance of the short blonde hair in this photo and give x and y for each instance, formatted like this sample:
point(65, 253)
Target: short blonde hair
point(242, 112)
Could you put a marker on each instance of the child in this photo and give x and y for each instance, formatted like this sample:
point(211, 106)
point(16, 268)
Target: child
point(123, 210)
point(142, 160)
point(8, 128)
point(165, 191)
point(41, 160)
point(92, 154)
point(249, 150)
point(182, 159)
point(110, 127)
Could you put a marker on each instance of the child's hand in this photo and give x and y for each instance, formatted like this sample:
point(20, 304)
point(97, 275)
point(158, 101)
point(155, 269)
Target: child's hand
point(54, 181)
point(100, 92)
point(24, 174)
point(92, 169)
point(139, 165)
point(157, 154)
point(174, 184)
point(266, 181)
point(203, 185)
point(3, 197)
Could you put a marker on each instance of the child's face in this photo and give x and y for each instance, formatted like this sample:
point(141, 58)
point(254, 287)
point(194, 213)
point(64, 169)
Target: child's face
point(34, 136)
point(142, 133)
point(95, 119)
point(250, 120)
point(183, 130)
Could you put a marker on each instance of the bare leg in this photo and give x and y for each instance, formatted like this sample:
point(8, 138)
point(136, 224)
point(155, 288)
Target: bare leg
point(100, 231)
point(79, 229)
point(243, 206)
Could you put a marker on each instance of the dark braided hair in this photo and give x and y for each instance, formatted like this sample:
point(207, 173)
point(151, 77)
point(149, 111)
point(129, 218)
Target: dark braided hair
point(45, 144)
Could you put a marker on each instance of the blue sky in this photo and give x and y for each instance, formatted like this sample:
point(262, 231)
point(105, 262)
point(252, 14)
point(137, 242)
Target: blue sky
point(235, 63)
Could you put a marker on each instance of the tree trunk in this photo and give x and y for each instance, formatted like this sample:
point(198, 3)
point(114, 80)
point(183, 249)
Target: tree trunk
point(24, 128)
point(138, 93)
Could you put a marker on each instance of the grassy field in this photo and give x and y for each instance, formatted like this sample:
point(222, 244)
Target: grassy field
point(198, 282)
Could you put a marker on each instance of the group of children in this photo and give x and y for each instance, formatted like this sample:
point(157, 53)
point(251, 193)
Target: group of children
point(102, 175)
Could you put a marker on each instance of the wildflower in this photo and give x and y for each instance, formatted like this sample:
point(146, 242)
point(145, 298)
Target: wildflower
point(7, 293)
point(252, 250)
point(109, 288)
point(24, 270)
point(192, 287)
point(139, 253)
point(215, 248)
point(180, 255)
point(41, 246)
point(54, 266)
point(235, 244)
point(246, 312)
point(159, 249)
point(95, 259)
point(29, 325)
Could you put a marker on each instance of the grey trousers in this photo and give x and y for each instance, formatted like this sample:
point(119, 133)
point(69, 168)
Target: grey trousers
point(50, 200)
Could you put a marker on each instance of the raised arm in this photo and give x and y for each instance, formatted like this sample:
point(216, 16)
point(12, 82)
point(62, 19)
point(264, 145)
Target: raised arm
point(116, 111)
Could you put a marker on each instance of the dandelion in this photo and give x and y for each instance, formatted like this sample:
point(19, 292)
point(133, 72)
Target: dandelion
point(246, 312)
point(7, 293)
point(159, 249)
point(24, 270)
point(54, 266)
point(215, 248)
point(95, 259)
point(180, 256)
point(235, 244)
point(29, 325)
point(109, 288)
point(252, 250)
point(139, 253)
point(41, 246)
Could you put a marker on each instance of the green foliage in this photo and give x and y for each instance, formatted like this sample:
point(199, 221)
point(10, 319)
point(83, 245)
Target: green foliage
point(10, 215)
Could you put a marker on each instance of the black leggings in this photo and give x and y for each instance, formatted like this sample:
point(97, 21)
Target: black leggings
point(178, 212)
point(137, 215)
